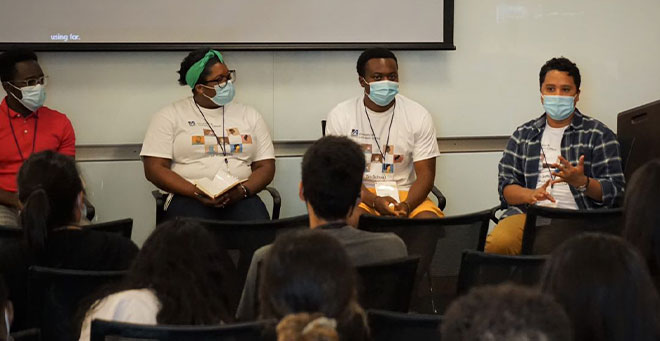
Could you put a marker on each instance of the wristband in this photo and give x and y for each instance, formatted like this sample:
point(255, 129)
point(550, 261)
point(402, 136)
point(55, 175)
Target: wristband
point(246, 192)
point(407, 205)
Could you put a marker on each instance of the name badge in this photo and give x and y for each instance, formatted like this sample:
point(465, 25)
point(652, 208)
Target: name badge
point(387, 189)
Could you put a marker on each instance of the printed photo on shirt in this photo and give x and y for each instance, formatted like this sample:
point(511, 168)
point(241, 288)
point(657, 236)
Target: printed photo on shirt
point(376, 158)
point(367, 167)
point(237, 148)
point(213, 149)
point(247, 139)
point(389, 149)
point(197, 140)
point(208, 132)
point(388, 168)
point(398, 158)
point(233, 132)
point(366, 148)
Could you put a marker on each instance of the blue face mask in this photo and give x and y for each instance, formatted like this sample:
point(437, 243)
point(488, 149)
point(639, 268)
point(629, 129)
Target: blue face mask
point(33, 97)
point(383, 92)
point(223, 95)
point(559, 107)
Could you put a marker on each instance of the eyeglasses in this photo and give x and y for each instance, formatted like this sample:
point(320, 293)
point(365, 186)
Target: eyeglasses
point(31, 82)
point(222, 80)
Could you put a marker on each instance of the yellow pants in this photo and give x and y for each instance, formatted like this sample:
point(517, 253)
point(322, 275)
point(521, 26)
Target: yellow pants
point(426, 206)
point(506, 236)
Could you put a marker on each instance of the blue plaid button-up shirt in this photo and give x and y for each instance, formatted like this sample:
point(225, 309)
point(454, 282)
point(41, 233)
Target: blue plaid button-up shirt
point(584, 136)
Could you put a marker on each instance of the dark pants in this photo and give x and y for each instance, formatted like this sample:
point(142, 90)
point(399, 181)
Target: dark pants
point(251, 208)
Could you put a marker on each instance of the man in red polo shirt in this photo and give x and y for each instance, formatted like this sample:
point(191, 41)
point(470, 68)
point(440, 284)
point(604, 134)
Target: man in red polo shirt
point(26, 126)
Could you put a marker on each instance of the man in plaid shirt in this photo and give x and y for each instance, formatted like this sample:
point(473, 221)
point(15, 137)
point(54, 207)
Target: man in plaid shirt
point(562, 159)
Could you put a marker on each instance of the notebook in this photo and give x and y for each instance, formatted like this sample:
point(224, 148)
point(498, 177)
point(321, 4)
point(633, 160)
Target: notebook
point(218, 185)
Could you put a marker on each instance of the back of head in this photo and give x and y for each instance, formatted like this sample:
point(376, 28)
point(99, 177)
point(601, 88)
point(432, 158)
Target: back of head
point(605, 288)
point(332, 171)
point(505, 312)
point(182, 263)
point(49, 187)
point(10, 58)
point(642, 217)
point(309, 272)
point(561, 64)
point(372, 53)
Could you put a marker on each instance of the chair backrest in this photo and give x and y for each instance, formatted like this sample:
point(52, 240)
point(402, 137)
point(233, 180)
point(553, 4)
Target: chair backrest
point(393, 326)
point(247, 237)
point(387, 285)
point(546, 227)
point(123, 227)
point(54, 296)
point(439, 241)
point(480, 268)
point(10, 235)
point(33, 334)
point(109, 330)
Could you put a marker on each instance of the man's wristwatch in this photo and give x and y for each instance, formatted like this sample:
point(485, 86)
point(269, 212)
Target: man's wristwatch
point(584, 187)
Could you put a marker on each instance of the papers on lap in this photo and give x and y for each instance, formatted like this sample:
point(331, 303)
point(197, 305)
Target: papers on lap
point(218, 185)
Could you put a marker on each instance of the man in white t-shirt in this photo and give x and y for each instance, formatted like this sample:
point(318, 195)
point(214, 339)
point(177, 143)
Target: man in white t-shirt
point(397, 137)
point(561, 159)
point(204, 135)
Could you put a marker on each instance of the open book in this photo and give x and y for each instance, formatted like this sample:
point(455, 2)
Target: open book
point(218, 185)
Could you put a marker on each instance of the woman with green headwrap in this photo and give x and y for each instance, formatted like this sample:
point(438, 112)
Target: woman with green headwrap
point(205, 135)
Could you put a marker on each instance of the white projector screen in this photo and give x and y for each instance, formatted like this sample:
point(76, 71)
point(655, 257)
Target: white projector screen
point(232, 24)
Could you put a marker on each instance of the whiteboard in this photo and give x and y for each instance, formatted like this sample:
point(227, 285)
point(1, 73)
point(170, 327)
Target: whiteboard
point(311, 22)
point(487, 87)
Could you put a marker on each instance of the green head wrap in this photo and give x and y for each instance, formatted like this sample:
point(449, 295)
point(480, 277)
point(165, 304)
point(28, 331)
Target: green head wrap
point(192, 76)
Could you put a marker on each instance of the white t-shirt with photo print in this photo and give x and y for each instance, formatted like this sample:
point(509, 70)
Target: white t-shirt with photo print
point(179, 132)
point(412, 138)
point(551, 149)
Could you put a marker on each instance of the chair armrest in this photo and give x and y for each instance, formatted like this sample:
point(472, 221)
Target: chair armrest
point(159, 197)
point(277, 201)
point(442, 200)
point(91, 210)
point(493, 213)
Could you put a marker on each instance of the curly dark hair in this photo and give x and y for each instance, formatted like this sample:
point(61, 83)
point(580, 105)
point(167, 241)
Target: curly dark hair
point(332, 171)
point(505, 312)
point(561, 64)
point(309, 271)
point(192, 58)
point(182, 263)
point(605, 288)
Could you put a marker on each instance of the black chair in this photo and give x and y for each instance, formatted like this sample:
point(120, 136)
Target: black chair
point(241, 239)
point(392, 326)
point(54, 296)
point(160, 198)
point(546, 227)
point(122, 227)
point(440, 198)
point(439, 241)
point(108, 330)
point(33, 334)
point(387, 285)
point(480, 268)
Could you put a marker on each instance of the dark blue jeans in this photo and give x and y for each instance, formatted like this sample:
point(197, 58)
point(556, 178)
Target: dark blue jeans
point(251, 208)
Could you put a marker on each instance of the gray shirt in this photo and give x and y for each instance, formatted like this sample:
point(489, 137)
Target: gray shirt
point(362, 247)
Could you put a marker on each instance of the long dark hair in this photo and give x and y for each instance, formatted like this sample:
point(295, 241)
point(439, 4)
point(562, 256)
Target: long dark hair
point(48, 186)
point(642, 216)
point(605, 288)
point(181, 263)
point(309, 271)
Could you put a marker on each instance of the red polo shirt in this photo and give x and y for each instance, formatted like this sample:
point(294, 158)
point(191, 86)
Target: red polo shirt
point(53, 129)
